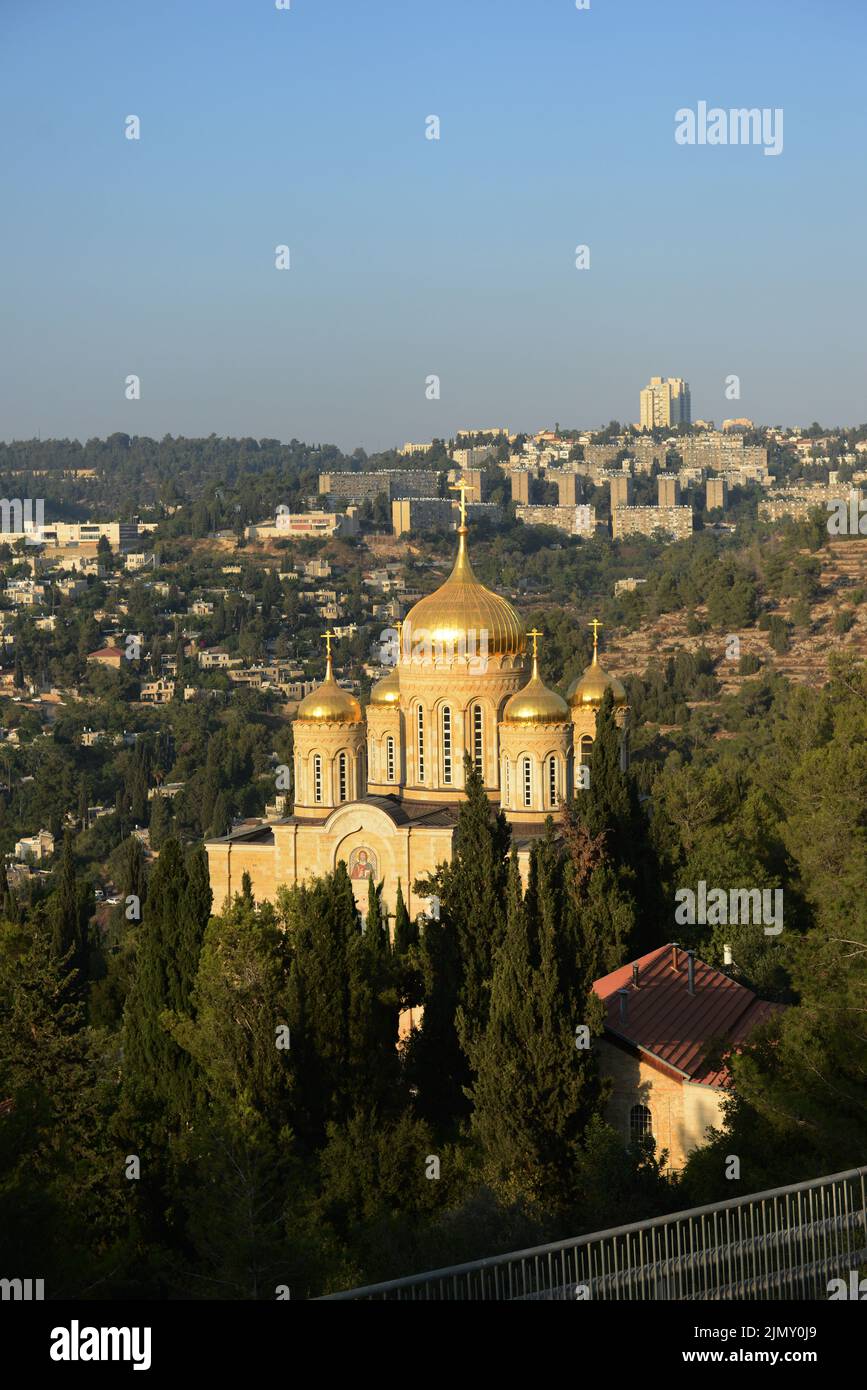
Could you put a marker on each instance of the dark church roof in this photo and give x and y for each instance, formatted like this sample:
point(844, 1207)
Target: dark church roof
point(432, 813)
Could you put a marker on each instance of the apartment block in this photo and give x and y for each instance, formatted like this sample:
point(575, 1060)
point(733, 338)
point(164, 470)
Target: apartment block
point(521, 486)
point(568, 488)
point(664, 402)
point(644, 521)
point(667, 490)
point(421, 514)
point(577, 520)
point(621, 491)
point(716, 494)
point(392, 482)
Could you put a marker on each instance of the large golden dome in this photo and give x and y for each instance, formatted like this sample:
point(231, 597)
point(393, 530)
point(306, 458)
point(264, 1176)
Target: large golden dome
point(462, 617)
point(589, 688)
point(328, 704)
point(536, 704)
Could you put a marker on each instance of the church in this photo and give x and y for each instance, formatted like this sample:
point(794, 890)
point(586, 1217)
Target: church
point(380, 788)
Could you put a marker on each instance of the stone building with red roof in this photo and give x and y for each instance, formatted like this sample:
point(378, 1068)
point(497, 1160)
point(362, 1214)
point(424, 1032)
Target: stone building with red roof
point(664, 1014)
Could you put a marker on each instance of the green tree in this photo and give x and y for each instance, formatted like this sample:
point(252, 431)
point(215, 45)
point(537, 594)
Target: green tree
point(343, 1019)
point(70, 914)
point(534, 1090)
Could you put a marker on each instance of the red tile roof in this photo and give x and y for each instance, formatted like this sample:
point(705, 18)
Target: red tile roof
point(673, 1026)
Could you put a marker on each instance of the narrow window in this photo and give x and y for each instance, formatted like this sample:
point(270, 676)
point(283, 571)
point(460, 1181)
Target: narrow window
point(317, 779)
point(447, 745)
point(586, 750)
point(527, 778)
point(507, 781)
point(342, 778)
point(420, 744)
point(553, 798)
point(640, 1123)
point(478, 743)
point(389, 759)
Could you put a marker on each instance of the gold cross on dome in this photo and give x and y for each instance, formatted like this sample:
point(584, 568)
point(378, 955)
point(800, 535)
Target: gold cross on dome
point(328, 637)
point(535, 634)
point(595, 626)
point(463, 487)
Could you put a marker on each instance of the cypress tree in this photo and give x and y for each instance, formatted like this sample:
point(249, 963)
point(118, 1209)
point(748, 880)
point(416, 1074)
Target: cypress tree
point(157, 1073)
point(436, 1064)
point(472, 892)
point(374, 908)
point(534, 1091)
point(609, 808)
point(70, 914)
point(405, 955)
point(161, 821)
point(342, 1018)
point(609, 805)
point(405, 930)
point(221, 818)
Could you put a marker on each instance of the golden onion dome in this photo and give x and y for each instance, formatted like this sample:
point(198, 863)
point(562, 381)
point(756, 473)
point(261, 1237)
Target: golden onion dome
point(328, 703)
point(386, 692)
point(590, 688)
point(462, 617)
point(536, 704)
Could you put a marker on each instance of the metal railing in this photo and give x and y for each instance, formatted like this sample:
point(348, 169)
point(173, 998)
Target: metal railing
point(784, 1243)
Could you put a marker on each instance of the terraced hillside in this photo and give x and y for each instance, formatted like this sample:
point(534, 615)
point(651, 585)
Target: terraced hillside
point(844, 572)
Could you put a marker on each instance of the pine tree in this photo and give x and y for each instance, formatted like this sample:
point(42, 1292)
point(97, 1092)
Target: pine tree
point(229, 1020)
point(60, 1200)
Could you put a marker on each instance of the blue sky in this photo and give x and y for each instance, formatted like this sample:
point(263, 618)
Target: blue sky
point(412, 257)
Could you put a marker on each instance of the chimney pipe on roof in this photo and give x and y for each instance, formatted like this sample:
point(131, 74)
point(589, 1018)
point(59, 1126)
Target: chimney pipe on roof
point(635, 977)
point(690, 971)
point(624, 997)
point(675, 964)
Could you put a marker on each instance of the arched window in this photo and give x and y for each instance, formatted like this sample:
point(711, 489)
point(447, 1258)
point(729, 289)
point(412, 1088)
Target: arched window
point(586, 749)
point(420, 743)
point(553, 783)
point(527, 780)
point(640, 1123)
point(478, 739)
point(507, 782)
point(342, 778)
point(447, 744)
point(389, 759)
point(317, 778)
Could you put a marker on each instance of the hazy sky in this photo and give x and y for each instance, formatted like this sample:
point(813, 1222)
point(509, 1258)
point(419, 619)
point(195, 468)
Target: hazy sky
point(412, 257)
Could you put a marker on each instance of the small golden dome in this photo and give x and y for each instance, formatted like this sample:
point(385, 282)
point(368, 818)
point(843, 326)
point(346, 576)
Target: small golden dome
point(387, 690)
point(589, 688)
point(328, 704)
point(536, 704)
point(462, 617)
